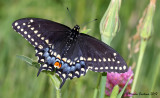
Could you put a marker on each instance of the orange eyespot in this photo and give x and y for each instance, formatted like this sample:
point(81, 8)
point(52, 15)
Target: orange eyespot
point(57, 64)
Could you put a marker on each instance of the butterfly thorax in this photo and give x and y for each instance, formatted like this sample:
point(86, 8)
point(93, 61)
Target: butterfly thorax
point(74, 33)
point(71, 38)
point(76, 28)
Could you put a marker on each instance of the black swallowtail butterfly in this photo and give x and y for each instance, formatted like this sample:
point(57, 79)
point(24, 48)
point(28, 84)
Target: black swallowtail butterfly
point(67, 51)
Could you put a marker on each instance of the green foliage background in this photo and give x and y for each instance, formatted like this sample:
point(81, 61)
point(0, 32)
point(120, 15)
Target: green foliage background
point(17, 80)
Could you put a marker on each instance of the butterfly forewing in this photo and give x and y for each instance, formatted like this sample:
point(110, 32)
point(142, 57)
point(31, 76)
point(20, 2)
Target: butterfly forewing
point(40, 31)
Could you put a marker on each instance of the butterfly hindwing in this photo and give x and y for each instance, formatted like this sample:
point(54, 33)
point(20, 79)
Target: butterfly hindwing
point(101, 57)
point(65, 74)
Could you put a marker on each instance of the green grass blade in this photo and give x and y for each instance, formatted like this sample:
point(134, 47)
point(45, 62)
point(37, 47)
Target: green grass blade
point(115, 92)
point(122, 91)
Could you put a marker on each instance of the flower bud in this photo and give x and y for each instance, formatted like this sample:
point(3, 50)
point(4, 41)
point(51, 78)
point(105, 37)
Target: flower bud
point(110, 21)
point(145, 23)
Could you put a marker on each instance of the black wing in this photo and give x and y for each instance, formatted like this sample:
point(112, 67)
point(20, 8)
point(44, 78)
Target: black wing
point(99, 56)
point(46, 35)
point(40, 31)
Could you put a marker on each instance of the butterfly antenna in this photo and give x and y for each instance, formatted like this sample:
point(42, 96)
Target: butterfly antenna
point(88, 22)
point(73, 20)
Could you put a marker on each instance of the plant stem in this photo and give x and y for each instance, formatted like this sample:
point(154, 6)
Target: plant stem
point(97, 86)
point(141, 53)
point(56, 83)
point(95, 93)
point(102, 85)
point(58, 93)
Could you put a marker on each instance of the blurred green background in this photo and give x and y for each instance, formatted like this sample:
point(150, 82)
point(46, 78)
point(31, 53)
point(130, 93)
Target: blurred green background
point(17, 80)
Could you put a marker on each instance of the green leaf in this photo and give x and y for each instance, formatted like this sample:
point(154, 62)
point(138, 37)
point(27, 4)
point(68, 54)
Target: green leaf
point(122, 91)
point(29, 61)
point(115, 91)
point(24, 58)
point(36, 64)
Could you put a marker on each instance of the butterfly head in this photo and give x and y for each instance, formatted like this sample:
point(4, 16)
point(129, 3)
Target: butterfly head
point(76, 28)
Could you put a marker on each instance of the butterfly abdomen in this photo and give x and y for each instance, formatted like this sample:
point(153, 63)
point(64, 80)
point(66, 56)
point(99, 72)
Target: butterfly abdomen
point(70, 40)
